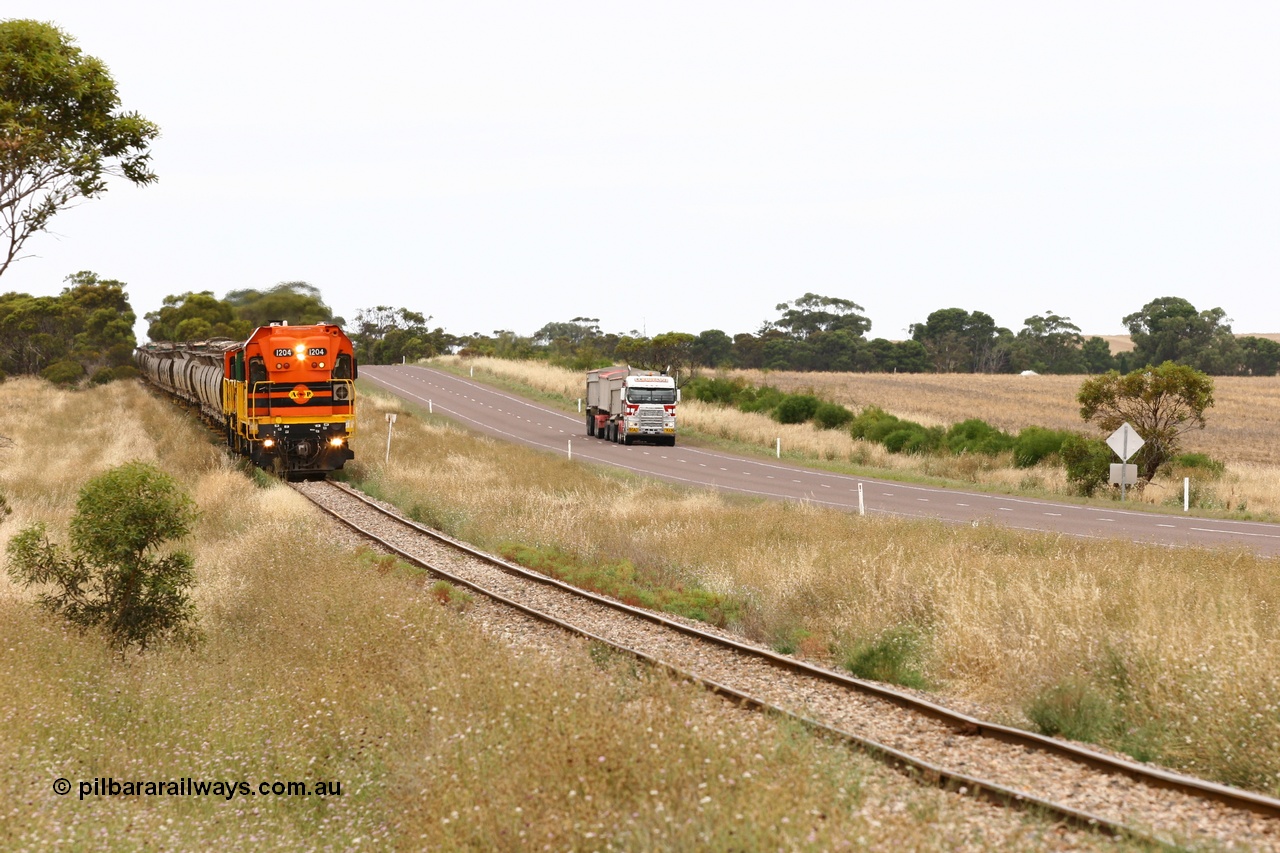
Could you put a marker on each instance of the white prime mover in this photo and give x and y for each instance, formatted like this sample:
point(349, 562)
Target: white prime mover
point(627, 405)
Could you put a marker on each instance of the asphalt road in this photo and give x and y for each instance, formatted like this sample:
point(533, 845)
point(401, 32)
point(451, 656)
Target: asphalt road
point(506, 416)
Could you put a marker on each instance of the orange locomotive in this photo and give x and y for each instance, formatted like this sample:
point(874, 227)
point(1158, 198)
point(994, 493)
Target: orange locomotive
point(285, 398)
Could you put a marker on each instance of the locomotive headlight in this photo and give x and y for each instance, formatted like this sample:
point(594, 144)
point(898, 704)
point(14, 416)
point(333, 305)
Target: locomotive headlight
point(300, 350)
point(268, 443)
point(336, 441)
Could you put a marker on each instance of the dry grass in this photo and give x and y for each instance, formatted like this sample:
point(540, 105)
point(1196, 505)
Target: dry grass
point(322, 664)
point(1180, 646)
point(1243, 425)
point(1243, 428)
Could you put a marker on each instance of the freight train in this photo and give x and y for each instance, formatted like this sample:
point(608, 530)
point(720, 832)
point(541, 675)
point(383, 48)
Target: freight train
point(285, 398)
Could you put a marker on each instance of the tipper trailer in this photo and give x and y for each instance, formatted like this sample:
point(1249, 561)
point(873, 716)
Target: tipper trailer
point(627, 405)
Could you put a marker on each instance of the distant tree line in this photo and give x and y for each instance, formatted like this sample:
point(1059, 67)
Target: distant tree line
point(86, 333)
point(822, 333)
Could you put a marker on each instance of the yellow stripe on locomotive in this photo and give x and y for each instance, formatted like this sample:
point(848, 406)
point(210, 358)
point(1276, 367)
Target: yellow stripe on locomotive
point(285, 397)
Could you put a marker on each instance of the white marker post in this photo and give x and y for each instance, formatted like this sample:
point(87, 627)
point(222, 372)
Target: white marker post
point(862, 508)
point(391, 419)
point(430, 411)
point(779, 447)
point(571, 450)
point(1186, 494)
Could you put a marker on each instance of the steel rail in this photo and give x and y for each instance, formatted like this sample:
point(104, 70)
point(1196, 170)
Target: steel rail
point(922, 770)
point(962, 723)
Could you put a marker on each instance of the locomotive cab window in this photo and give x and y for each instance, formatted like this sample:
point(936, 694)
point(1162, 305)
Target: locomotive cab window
point(257, 370)
point(344, 367)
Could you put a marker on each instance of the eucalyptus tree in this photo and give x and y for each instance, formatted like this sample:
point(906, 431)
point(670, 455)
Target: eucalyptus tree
point(62, 132)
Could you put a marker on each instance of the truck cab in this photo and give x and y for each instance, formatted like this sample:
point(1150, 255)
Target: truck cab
point(627, 405)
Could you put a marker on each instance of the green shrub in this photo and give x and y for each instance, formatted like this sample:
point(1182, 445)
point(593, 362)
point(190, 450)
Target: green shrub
point(1088, 462)
point(1202, 462)
point(114, 578)
point(1035, 444)
point(103, 375)
point(452, 596)
point(873, 424)
point(63, 373)
point(1073, 710)
point(976, 436)
point(895, 657)
point(911, 437)
point(796, 408)
point(763, 399)
point(831, 416)
point(713, 390)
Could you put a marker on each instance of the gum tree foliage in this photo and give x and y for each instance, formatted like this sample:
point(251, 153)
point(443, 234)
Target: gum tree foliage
point(577, 344)
point(386, 335)
point(200, 316)
point(115, 577)
point(1049, 343)
point(1160, 403)
point(1096, 353)
point(195, 317)
point(503, 343)
point(85, 330)
point(812, 314)
point(1258, 356)
point(295, 302)
point(712, 348)
point(1171, 329)
point(62, 133)
point(960, 342)
point(570, 335)
point(670, 352)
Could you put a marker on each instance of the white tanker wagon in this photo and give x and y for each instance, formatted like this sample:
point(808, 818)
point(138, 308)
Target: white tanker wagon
point(626, 405)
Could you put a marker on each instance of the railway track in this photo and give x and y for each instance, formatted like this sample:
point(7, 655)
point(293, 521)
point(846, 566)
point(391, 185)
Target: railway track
point(1078, 785)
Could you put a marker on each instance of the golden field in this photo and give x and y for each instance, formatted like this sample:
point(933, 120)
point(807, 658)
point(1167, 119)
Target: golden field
point(326, 663)
point(1243, 429)
point(1173, 651)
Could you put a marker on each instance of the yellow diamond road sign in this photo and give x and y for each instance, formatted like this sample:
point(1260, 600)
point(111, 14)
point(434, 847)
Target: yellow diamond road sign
point(1125, 441)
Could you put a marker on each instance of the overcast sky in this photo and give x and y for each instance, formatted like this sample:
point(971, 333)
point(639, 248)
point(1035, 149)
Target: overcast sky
point(688, 166)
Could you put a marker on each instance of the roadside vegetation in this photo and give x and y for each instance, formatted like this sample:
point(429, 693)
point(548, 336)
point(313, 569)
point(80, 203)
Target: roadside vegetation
point(1233, 465)
point(1167, 654)
point(324, 662)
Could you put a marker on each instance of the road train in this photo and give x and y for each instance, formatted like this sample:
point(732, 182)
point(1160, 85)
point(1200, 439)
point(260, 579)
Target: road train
point(285, 398)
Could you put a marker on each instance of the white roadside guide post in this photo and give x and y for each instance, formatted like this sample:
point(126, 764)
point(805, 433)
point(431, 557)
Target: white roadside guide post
point(1125, 441)
point(391, 419)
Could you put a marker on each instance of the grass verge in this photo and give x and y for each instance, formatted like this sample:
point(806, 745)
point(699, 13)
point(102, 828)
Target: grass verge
point(326, 663)
point(980, 614)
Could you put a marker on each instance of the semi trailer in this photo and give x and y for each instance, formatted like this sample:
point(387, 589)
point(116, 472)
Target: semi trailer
point(628, 405)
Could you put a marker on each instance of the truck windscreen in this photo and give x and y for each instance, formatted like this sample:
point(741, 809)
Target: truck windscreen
point(651, 395)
